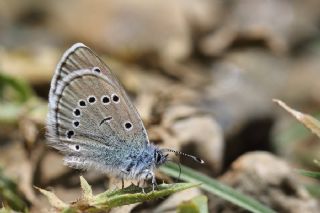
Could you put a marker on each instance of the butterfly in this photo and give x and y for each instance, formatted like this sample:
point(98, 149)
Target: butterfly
point(94, 124)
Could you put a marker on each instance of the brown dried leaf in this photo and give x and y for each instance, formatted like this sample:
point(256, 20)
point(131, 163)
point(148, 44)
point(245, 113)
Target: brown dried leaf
point(86, 189)
point(53, 199)
point(307, 120)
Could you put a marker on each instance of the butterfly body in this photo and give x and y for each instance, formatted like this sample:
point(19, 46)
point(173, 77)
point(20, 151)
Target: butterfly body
point(138, 164)
point(93, 123)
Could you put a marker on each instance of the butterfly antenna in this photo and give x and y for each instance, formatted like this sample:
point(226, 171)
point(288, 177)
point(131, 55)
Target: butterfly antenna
point(184, 154)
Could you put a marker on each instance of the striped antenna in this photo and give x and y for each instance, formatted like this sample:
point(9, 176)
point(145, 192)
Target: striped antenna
point(184, 154)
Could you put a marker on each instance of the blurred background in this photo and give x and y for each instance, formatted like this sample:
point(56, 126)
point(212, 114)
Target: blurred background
point(202, 74)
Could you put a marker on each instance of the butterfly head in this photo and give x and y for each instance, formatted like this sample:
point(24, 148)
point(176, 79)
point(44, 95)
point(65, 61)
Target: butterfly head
point(160, 157)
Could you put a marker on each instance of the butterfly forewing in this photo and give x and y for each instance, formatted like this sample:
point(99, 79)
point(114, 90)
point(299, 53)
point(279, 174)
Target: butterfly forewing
point(89, 109)
point(79, 57)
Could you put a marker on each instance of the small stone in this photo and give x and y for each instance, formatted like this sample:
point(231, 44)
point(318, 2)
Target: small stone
point(270, 180)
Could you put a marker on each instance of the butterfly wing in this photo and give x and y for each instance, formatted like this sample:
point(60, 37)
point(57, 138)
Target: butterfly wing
point(90, 116)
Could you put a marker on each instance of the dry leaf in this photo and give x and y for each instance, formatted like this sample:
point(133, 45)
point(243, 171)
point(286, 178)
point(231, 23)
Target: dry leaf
point(307, 120)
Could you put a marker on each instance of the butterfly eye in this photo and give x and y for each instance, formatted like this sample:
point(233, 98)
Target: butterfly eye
point(77, 112)
point(91, 99)
point(96, 69)
point(128, 126)
point(159, 158)
point(82, 103)
point(115, 98)
point(105, 100)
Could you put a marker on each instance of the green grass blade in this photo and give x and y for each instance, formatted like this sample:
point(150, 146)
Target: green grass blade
point(217, 188)
point(309, 173)
point(10, 195)
point(22, 90)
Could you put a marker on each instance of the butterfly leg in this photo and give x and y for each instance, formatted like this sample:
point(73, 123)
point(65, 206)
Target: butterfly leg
point(154, 183)
point(143, 186)
point(122, 179)
point(143, 183)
